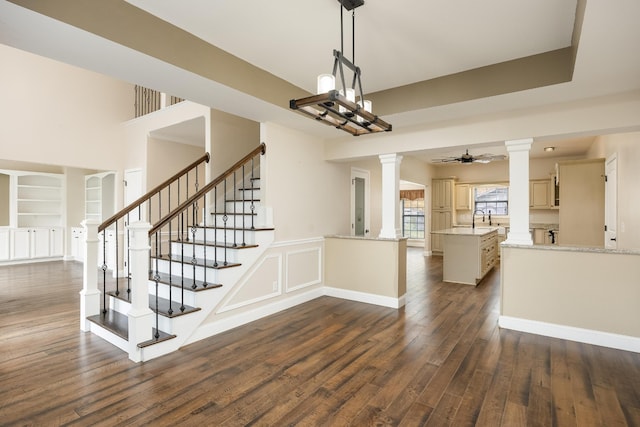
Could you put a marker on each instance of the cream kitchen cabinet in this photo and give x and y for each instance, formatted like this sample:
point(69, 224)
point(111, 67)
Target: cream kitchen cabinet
point(440, 220)
point(540, 194)
point(442, 194)
point(463, 198)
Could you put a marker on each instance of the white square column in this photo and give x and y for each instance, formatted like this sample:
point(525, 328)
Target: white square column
point(390, 196)
point(519, 191)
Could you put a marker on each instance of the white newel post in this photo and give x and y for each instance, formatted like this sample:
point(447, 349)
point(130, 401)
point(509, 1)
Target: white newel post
point(390, 196)
point(519, 191)
point(140, 315)
point(89, 295)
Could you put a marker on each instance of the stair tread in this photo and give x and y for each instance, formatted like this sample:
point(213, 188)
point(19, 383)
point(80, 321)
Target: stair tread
point(242, 200)
point(118, 324)
point(198, 261)
point(163, 304)
point(249, 189)
point(234, 213)
point(217, 244)
point(176, 281)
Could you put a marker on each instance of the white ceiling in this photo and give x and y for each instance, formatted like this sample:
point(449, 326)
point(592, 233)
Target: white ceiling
point(397, 42)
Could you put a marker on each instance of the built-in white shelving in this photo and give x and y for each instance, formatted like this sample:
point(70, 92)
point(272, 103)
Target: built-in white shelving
point(99, 195)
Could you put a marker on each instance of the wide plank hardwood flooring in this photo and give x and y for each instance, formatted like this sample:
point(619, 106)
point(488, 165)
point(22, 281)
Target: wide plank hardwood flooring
point(440, 360)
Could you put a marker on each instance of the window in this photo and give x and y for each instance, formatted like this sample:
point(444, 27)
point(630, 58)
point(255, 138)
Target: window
point(494, 199)
point(413, 218)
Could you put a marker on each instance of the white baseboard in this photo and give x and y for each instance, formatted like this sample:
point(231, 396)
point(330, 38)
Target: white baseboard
point(365, 297)
point(587, 336)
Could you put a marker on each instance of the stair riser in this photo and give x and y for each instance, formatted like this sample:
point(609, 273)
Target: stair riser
point(176, 292)
point(219, 235)
point(233, 221)
point(238, 206)
point(212, 252)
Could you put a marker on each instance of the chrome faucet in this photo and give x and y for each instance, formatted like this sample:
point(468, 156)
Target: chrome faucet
point(473, 217)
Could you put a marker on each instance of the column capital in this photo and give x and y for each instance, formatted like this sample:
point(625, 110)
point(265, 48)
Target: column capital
point(519, 144)
point(390, 158)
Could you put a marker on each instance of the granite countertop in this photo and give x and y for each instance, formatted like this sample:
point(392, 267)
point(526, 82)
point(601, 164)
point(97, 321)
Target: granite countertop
point(466, 231)
point(572, 248)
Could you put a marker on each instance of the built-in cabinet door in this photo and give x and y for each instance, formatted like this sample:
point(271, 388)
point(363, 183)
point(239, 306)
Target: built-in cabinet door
point(21, 243)
point(40, 243)
point(5, 238)
point(56, 239)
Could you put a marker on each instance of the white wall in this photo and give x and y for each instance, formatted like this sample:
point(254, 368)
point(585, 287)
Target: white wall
point(310, 197)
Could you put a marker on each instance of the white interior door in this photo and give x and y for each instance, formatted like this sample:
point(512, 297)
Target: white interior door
point(360, 215)
point(611, 203)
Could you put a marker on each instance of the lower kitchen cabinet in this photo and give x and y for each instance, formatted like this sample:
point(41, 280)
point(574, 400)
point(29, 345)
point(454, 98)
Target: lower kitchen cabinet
point(440, 220)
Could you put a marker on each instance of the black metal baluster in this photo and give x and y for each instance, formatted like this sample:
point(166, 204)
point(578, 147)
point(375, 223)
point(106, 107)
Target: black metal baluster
point(244, 200)
point(252, 204)
point(104, 272)
point(128, 222)
point(170, 269)
point(156, 279)
point(182, 263)
point(215, 226)
point(194, 219)
point(117, 270)
point(235, 208)
point(224, 220)
point(204, 231)
point(179, 236)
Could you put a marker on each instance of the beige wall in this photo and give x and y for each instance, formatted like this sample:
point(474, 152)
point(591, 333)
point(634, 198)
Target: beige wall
point(232, 137)
point(627, 148)
point(376, 267)
point(58, 114)
point(165, 158)
point(309, 196)
point(588, 290)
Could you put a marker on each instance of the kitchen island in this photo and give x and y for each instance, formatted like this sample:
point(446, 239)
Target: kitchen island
point(469, 253)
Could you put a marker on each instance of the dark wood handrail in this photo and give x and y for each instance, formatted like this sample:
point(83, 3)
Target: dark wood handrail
point(150, 193)
point(261, 149)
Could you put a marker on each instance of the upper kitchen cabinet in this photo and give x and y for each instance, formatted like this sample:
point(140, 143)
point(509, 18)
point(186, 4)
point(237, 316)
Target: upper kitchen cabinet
point(442, 194)
point(582, 209)
point(540, 194)
point(463, 198)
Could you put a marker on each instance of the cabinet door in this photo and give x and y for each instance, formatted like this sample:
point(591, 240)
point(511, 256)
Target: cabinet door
point(463, 201)
point(21, 243)
point(440, 220)
point(539, 195)
point(40, 242)
point(5, 237)
point(442, 194)
point(56, 238)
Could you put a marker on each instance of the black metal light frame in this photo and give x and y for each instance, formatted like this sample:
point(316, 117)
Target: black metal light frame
point(325, 107)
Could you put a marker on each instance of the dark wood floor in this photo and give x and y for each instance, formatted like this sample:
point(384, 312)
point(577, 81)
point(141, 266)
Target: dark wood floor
point(441, 360)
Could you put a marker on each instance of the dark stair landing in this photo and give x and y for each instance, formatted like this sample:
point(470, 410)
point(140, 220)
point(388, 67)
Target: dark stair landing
point(118, 324)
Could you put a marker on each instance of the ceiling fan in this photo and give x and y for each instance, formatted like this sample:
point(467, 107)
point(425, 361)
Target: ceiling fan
point(468, 158)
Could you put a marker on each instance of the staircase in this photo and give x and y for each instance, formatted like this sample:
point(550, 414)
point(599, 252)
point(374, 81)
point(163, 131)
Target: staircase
point(181, 267)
